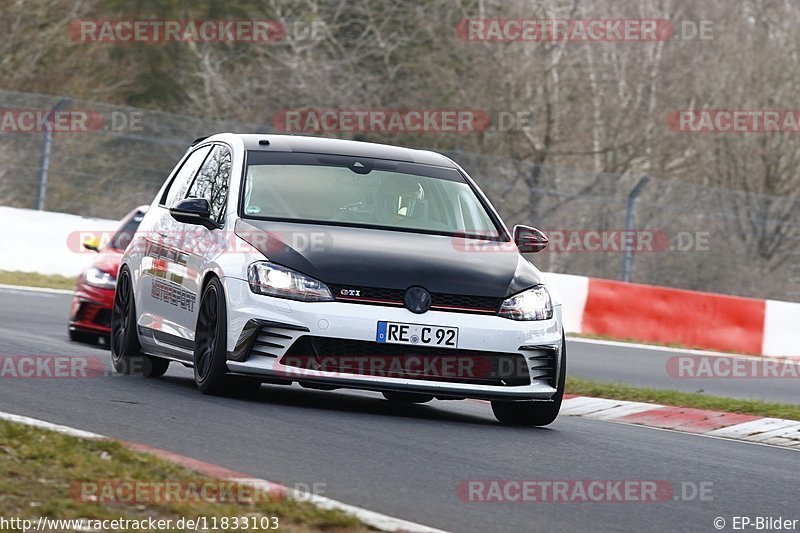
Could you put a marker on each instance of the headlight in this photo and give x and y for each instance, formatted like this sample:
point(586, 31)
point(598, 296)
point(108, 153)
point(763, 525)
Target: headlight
point(275, 280)
point(97, 278)
point(533, 304)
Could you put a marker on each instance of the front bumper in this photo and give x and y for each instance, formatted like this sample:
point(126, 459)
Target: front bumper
point(90, 310)
point(262, 331)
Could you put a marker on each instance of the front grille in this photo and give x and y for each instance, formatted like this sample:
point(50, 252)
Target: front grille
point(458, 303)
point(94, 313)
point(408, 362)
point(103, 318)
point(85, 311)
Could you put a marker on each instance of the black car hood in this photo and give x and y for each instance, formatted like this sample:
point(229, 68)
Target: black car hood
point(366, 257)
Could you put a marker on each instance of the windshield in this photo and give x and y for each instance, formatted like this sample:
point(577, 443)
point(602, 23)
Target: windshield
point(363, 192)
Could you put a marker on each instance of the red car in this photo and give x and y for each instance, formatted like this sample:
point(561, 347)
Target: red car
point(90, 313)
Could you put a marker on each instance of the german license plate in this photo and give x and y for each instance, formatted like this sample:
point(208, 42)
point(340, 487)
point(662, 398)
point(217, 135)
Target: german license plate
point(417, 334)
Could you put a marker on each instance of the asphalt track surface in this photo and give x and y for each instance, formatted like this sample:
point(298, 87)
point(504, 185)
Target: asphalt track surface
point(645, 367)
point(404, 461)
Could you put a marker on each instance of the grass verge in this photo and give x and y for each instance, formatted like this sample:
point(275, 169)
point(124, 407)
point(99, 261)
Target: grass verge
point(618, 391)
point(41, 472)
point(32, 279)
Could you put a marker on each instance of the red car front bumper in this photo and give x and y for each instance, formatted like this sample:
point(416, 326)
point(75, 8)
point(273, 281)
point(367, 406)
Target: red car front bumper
point(91, 309)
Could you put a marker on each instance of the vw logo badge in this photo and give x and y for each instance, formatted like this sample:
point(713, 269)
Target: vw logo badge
point(417, 300)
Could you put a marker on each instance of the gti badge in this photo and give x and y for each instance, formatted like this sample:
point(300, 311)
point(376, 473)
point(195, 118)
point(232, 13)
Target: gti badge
point(418, 300)
point(350, 292)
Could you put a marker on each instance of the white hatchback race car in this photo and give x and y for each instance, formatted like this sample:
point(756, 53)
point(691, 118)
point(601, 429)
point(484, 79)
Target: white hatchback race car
point(338, 264)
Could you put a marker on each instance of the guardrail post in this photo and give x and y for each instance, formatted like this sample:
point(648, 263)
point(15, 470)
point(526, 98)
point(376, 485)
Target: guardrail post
point(627, 255)
point(44, 162)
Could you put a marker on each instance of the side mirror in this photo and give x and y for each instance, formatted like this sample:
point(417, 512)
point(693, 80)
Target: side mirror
point(529, 240)
point(92, 243)
point(193, 211)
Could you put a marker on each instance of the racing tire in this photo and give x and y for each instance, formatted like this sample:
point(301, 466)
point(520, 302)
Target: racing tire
point(210, 341)
point(126, 352)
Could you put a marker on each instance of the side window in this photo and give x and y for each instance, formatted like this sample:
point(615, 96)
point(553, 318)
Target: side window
point(211, 182)
point(177, 189)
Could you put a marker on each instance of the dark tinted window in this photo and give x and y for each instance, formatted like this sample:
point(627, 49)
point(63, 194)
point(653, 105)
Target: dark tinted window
point(212, 181)
point(363, 192)
point(123, 237)
point(177, 189)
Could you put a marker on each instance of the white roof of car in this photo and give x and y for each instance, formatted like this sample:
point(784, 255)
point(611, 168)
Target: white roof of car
point(323, 145)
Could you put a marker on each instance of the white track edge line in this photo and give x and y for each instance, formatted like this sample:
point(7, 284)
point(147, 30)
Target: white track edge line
point(66, 430)
point(35, 289)
point(377, 520)
point(670, 349)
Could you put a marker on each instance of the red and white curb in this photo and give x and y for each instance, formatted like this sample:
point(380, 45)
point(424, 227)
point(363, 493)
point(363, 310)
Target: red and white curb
point(771, 431)
point(378, 521)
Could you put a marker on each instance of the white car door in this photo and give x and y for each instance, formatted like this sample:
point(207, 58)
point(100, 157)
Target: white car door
point(195, 245)
point(162, 299)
